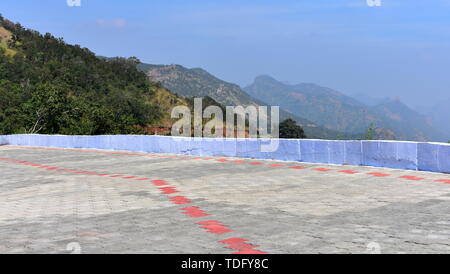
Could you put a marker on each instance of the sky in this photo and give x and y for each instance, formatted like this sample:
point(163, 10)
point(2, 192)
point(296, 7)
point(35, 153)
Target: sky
point(398, 49)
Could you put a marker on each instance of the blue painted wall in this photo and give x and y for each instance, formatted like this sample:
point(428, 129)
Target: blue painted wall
point(392, 154)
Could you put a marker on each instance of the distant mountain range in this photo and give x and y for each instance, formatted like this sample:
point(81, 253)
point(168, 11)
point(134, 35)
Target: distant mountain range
point(439, 115)
point(197, 82)
point(336, 111)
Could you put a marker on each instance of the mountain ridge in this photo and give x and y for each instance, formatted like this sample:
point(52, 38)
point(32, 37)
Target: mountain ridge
point(197, 82)
point(334, 110)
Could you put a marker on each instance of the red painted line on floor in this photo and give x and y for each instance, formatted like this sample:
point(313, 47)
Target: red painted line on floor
point(180, 200)
point(214, 227)
point(241, 246)
point(168, 190)
point(322, 169)
point(256, 163)
point(297, 167)
point(250, 251)
point(142, 179)
point(159, 182)
point(194, 212)
point(377, 174)
point(234, 241)
point(276, 165)
point(239, 162)
point(210, 222)
point(445, 181)
point(222, 160)
point(412, 178)
point(348, 171)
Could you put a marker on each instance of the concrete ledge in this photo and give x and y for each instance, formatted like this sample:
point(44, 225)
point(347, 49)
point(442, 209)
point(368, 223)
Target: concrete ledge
point(402, 155)
point(392, 154)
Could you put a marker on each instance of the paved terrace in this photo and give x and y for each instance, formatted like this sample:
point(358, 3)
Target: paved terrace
point(127, 202)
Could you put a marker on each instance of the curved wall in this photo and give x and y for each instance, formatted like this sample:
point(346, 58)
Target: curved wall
point(392, 154)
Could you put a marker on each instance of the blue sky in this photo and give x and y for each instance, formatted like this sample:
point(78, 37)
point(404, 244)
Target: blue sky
point(401, 49)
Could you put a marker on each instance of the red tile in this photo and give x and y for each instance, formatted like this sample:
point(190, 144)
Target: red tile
point(168, 190)
point(159, 182)
point(322, 169)
point(277, 165)
point(194, 212)
point(208, 223)
point(233, 241)
point(377, 174)
point(250, 251)
point(180, 200)
point(219, 231)
point(412, 178)
point(296, 167)
point(241, 246)
point(348, 171)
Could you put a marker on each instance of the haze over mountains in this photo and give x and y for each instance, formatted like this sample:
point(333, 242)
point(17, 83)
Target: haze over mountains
point(323, 112)
point(337, 111)
point(197, 82)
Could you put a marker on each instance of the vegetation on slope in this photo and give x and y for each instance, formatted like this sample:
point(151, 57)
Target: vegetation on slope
point(50, 87)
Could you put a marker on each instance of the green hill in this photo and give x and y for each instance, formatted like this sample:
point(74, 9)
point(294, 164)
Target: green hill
point(48, 86)
point(197, 82)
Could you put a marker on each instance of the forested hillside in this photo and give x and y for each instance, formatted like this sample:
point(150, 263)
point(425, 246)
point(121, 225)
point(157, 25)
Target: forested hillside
point(50, 87)
point(197, 82)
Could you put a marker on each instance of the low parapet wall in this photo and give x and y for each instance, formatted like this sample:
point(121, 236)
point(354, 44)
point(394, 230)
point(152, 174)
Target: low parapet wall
point(392, 154)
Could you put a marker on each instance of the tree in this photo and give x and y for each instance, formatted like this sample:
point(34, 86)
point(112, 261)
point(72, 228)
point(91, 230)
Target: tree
point(370, 132)
point(46, 109)
point(290, 130)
